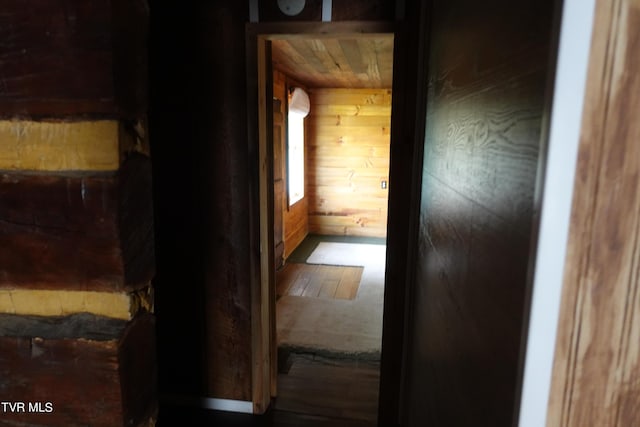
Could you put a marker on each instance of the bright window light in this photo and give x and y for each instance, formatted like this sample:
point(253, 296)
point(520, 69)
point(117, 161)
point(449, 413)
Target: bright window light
point(298, 110)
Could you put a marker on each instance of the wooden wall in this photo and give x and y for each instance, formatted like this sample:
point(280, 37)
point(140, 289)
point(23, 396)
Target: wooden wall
point(76, 221)
point(487, 75)
point(347, 160)
point(596, 374)
point(295, 219)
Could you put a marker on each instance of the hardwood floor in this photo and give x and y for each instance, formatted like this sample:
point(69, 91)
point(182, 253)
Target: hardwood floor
point(313, 392)
point(318, 281)
point(337, 389)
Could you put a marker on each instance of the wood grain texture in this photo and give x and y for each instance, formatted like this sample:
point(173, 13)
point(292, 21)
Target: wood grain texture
point(351, 61)
point(295, 219)
point(104, 220)
point(596, 377)
point(485, 104)
point(318, 281)
point(63, 215)
point(296, 225)
point(348, 158)
point(73, 58)
point(112, 388)
point(279, 173)
point(342, 390)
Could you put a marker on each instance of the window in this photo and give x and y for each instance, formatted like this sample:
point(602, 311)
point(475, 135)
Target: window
point(298, 110)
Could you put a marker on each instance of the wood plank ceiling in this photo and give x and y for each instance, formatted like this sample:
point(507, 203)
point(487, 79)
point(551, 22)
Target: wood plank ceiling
point(358, 61)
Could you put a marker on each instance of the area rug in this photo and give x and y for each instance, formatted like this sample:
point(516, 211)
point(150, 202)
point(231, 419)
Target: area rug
point(337, 328)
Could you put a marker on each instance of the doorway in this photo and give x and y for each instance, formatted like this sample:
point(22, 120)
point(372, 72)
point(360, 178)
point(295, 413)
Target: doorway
point(326, 220)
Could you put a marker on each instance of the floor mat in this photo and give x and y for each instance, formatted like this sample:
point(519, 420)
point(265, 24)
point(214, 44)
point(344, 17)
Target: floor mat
point(338, 328)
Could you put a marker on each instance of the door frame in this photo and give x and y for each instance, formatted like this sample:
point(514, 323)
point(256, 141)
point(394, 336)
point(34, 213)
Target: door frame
point(260, 138)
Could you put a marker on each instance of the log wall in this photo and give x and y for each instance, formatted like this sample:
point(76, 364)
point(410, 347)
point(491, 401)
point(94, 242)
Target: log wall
point(77, 342)
point(348, 161)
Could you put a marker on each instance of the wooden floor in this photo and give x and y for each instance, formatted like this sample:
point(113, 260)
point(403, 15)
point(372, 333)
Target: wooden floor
point(313, 392)
point(318, 281)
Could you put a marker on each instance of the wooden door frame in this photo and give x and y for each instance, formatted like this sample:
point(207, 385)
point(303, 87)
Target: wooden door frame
point(263, 320)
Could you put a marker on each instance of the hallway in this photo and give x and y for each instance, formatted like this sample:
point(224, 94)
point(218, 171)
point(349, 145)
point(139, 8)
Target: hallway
point(313, 392)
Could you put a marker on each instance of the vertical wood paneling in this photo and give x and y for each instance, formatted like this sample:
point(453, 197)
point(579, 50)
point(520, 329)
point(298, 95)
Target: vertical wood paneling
point(295, 219)
point(485, 104)
point(348, 158)
point(596, 378)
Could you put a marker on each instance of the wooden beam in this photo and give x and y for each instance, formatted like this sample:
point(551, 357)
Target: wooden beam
point(104, 220)
point(102, 380)
point(263, 291)
point(80, 58)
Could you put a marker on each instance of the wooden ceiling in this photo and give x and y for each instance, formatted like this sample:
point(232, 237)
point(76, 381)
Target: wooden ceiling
point(358, 61)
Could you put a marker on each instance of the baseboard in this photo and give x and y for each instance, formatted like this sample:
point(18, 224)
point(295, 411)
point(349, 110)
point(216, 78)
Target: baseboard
point(227, 405)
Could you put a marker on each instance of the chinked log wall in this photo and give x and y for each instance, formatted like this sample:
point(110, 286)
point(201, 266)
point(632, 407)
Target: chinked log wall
point(348, 160)
point(76, 231)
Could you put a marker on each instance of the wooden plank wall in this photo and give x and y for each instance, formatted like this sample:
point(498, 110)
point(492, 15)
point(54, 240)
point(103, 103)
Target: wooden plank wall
point(596, 374)
point(348, 158)
point(347, 61)
point(295, 218)
point(487, 76)
point(76, 221)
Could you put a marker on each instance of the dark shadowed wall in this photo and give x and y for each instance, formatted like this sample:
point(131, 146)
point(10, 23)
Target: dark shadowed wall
point(488, 64)
point(198, 127)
